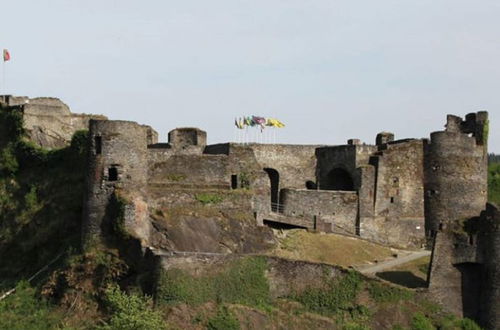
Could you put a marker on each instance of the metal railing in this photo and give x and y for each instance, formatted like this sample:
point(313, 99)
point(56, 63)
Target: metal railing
point(277, 207)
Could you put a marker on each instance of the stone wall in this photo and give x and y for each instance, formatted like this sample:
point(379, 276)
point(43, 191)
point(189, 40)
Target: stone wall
point(346, 157)
point(456, 185)
point(489, 250)
point(400, 180)
point(48, 121)
point(337, 210)
point(195, 171)
point(285, 277)
point(295, 164)
point(399, 217)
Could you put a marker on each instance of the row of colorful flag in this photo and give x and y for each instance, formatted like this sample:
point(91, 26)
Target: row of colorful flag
point(252, 121)
point(6, 55)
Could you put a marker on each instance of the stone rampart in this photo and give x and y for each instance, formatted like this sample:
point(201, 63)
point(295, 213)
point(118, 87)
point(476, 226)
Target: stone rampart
point(337, 208)
point(48, 121)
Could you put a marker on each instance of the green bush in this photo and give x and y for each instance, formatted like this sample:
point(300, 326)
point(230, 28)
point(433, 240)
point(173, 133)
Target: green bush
point(24, 311)
point(421, 322)
point(8, 161)
point(223, 320)
point(40, 199)
point(130, 312)
point(384, 293)
point(339, 295)
point(206, 198)
point(467, 324)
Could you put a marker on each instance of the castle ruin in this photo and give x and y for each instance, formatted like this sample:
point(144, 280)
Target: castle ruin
point(409, 193)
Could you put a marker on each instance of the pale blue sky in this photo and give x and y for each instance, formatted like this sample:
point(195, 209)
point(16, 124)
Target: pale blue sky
point(331, 70)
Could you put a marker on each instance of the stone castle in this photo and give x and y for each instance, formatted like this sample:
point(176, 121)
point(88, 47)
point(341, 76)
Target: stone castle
point(185, 196)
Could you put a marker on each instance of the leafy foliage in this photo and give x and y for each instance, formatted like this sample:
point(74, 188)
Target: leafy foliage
point(40, 199)
point(384, 293)
point(131, 312)
point(223, 320)
point(24, 311)
point(421, 322)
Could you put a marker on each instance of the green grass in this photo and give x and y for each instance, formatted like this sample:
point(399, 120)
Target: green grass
point(223, 320)
point(382, 293)
point(206, 198)
point(421, 322)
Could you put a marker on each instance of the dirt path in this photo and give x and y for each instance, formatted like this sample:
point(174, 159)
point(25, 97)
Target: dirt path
point(393, 263)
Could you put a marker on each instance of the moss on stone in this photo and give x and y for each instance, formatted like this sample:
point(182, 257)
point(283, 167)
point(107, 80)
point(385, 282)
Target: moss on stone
point(242, 281)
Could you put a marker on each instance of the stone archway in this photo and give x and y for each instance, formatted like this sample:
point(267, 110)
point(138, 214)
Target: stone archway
point(274, 178)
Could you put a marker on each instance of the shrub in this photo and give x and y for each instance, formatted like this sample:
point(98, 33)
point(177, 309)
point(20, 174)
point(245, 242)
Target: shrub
point(340, 294)
point(177, 286)
point(130, 312)
point(223, 320)
point(467, 324)
point(421, 322)
point(8, 161)
point(244, 282)
point(385, 293)
point(22, 310)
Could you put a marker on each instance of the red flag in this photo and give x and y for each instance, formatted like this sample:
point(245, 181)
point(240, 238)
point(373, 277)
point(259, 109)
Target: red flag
point(6, 55)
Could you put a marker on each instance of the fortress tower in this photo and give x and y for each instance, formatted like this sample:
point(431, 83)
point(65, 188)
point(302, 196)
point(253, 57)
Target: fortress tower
point(462, 278)
point(117, 157)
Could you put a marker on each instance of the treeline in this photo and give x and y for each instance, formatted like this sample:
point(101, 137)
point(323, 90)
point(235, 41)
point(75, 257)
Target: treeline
point(493, 158)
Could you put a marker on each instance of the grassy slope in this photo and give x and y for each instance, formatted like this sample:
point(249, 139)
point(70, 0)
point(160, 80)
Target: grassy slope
point(329, 248)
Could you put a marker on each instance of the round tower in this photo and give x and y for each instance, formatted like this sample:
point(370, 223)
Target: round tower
point(455, 195)
point(456, 170)
point(117, 159)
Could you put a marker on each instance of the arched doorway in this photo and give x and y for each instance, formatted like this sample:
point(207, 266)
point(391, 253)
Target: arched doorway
point(274, 178)
point(338, 179)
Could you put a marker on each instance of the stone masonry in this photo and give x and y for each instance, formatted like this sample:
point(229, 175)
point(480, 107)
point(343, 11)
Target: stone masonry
point(185, 196)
